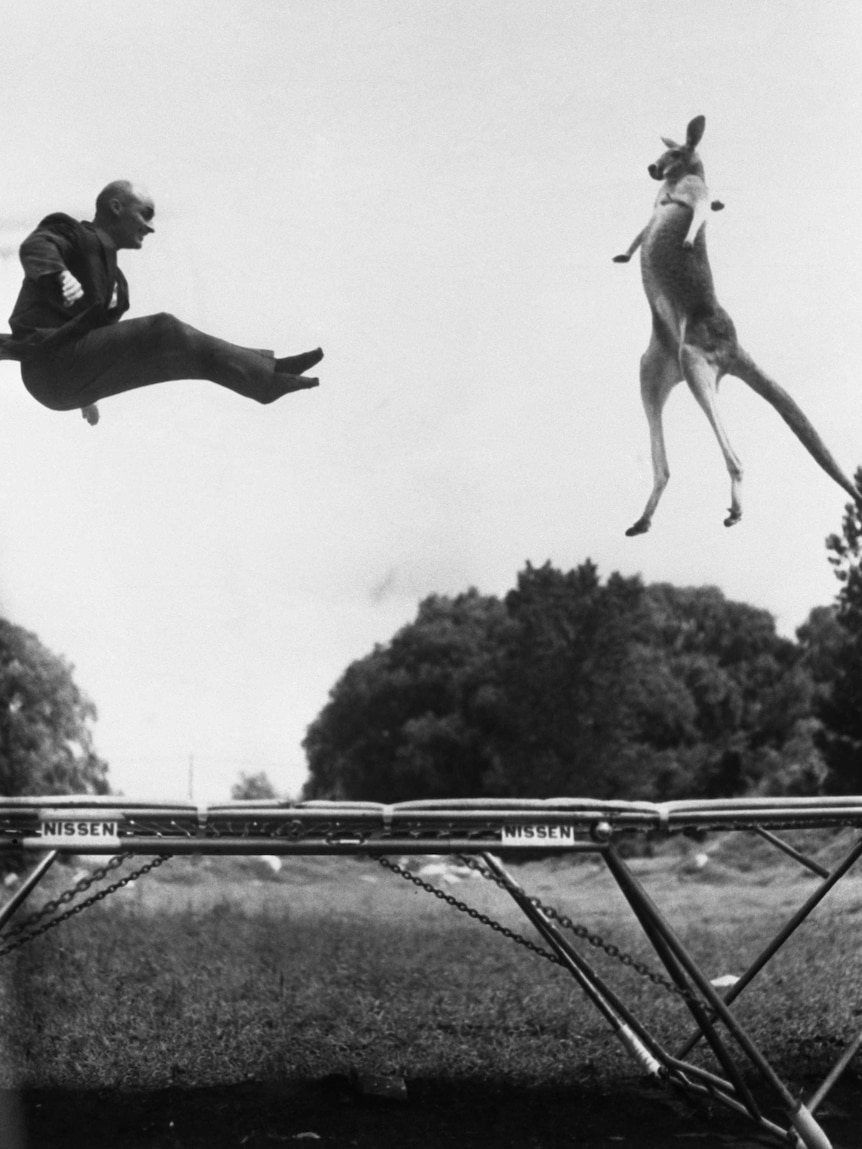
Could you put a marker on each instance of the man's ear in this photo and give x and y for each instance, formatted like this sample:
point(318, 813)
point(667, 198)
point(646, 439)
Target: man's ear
point(115, 206)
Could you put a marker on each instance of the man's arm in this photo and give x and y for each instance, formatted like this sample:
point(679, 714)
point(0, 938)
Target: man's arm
point(46, 252)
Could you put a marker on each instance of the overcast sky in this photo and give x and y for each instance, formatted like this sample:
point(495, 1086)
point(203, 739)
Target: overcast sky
point(433, 191)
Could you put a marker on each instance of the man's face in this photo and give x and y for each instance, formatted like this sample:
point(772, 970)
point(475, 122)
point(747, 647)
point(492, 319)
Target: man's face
point(133, 220)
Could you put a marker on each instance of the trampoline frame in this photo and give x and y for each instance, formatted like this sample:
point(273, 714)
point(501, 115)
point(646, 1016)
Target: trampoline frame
point(483, 828)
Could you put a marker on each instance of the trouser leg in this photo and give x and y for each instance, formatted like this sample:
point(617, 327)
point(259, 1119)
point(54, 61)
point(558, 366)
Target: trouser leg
point(139, 352)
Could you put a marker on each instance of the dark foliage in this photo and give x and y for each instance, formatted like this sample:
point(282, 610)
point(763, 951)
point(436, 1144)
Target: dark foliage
point(572, 686)
point(46, 743)
point(840, 706)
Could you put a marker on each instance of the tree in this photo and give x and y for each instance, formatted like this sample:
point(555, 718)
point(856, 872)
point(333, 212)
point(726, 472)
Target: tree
point(821, 639)
point(46, 742)
point(413, 719)
point(748, 686)
point(841, 709)
point(568, 717)
point(573, 686)
point(483, 697)
point(252, 788)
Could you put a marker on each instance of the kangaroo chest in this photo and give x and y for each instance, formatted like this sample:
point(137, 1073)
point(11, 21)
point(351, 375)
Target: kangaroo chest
point(677, 279)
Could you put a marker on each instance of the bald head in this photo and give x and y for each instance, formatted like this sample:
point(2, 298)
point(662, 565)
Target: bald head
point(120, 190)
point(125, 213)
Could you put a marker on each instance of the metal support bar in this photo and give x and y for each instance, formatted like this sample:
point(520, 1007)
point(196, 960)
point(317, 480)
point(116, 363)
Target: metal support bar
point(662, 1065)
point(655, 928)
point(792, 852)
point(347, 843)
point(783, 934)
point(27, 886)
point(706, 1084)
point(637, 1040)
point(809, 1132)
point(838, 1068)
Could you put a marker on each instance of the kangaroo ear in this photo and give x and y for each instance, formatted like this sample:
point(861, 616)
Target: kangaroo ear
point(694, 132)
point(669, 143)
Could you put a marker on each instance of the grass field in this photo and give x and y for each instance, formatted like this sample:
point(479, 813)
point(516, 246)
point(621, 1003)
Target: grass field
point(331, 982)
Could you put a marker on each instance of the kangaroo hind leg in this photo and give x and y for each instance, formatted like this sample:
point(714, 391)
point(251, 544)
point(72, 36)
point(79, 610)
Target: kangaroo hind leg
point(702, 378)
point(660, 373)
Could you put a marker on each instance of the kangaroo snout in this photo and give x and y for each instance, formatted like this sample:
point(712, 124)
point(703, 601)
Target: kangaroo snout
point(655, 172)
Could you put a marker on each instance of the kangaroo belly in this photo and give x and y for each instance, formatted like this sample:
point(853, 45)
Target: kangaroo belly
point(681, 274)
point(679, 286)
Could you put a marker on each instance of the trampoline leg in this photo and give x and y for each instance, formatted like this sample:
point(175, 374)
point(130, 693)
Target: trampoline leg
point(626, 1027)
point(807, 1129)
point(781, 937)
point(26, 888)
point(655, 928)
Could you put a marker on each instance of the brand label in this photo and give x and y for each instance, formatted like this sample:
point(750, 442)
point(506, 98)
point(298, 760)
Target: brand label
point(538, 835)
point(83, 832)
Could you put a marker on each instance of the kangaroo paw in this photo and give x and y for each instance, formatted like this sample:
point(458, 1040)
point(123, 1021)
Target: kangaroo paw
point(640, 528)
point(733, 517)
point(621, 258)
point(717, 205)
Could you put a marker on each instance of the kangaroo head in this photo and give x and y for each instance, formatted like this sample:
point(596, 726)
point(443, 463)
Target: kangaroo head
point(680, 159)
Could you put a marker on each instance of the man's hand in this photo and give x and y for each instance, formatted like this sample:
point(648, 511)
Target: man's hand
point(71, 289)
point(91, 414)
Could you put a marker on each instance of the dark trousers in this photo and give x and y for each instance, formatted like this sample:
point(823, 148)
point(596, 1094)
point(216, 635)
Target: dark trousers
point(137, 352)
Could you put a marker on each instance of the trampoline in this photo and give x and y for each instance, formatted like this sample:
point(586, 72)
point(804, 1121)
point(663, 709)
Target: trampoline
point(739, 1075)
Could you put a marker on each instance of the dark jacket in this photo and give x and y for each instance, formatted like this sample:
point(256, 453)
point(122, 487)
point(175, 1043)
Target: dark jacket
point(39, 320)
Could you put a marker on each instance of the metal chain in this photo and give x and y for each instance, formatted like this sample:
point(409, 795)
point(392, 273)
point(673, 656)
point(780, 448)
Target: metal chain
point(80, 887)
point(593, 939)
point(69, 894)
point(483, 919)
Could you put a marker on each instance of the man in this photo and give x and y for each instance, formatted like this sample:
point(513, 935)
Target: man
point(65, 329)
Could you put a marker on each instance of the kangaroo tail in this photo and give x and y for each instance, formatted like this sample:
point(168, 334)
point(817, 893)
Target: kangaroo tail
point(747, 370)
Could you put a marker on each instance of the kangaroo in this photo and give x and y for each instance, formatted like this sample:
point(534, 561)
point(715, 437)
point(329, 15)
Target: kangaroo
point(693, 337)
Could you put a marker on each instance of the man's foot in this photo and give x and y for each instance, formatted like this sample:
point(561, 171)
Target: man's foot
point(296, 364)
point(285, 384)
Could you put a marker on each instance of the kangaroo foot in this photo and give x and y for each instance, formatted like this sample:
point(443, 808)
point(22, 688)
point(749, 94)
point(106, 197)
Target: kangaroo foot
point(640, 528)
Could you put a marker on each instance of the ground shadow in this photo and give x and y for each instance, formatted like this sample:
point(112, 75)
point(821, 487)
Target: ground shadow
point(338, 1112)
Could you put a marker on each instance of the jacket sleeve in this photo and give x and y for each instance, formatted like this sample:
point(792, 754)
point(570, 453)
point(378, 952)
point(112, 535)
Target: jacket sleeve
point(46, 250)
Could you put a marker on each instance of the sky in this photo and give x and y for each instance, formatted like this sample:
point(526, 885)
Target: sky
point(433, 191)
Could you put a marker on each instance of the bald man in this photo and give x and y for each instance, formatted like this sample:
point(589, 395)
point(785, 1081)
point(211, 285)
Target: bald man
point(65, 330)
